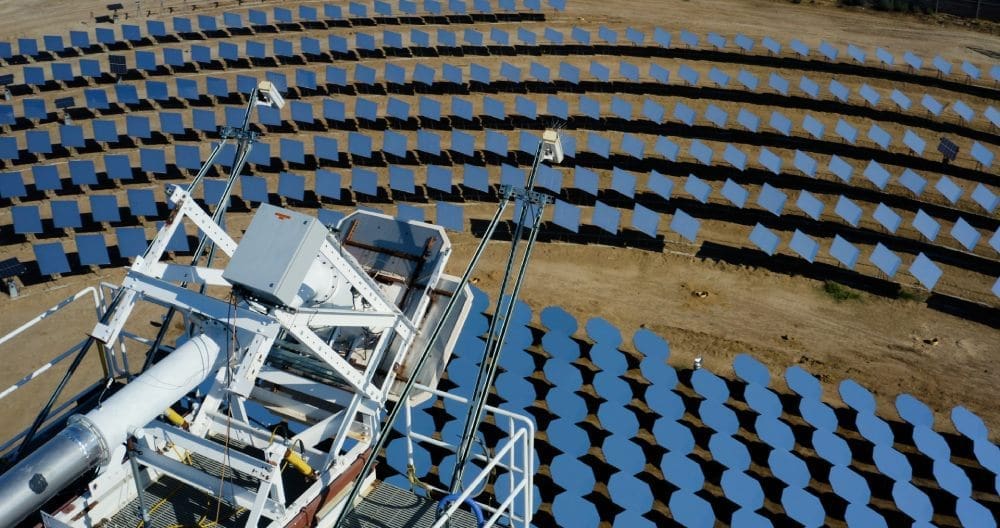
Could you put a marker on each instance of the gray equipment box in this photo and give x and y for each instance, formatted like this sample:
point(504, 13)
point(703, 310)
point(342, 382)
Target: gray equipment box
point(275, 253)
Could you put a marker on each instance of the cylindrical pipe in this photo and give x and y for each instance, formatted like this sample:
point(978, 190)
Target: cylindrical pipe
point(88, 440)
point(52, 467)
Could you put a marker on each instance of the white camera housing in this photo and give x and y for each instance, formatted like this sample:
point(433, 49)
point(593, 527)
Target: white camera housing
point(552, 149)
point(268, 95)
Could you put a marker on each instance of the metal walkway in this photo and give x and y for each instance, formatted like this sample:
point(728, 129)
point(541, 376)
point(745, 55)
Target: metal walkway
point(388, 506)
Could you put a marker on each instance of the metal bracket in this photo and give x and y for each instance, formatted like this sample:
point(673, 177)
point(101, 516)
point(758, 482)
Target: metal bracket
point(307, 337)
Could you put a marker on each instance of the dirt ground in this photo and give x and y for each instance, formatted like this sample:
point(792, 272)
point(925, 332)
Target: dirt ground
point(780, 319)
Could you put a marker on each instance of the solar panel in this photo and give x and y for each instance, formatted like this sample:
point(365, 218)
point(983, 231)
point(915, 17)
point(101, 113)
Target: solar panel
point(839, 91)
point(828, 50)
point(659, 73)
point(701, 152)
point(568, 438)
point(682, 472)
point(394, 143)
point(846, 131)
point(803, 506)
point(849, 485)
point(687, 74)
point(942, 65)
point(697, 188)
point(525, 107)
point(804, 245)
point(879, 136)
point(790, 469)
point(46, 177)
point(473, 37)
point(993, 115)
point(809, 204)
point(716, 115)
point(364, 181)
point(39, 142)
point(774, 433)
point(137, 126)
point(7, 115)
point(970, 425)
point(769, 160)
point(981, 154)
point(327, 184)
point(718, 77)
point(886, 57)
point(11, 185)
point(963, 110)
point(62, 71)
point(845, 252)
point(691, 510)
point(661, 37)
point(449, 216)
point(949, 189)
point(51, 258)
point(931, 104)
point(771, 199)
point(497, 143)
point(65, 214)
point(813, 126)
point(912, 181)
point(803, 383)
point(952, 479)
point(965, 234)
point(892, 463)
point(606, 217)
point(207, 23)
point(291, 186)
point(92, 250)
point(571, 509)
point(925, 271)
point(645, 220)
point(901, 100)
point(927, 226)
point(809, 87)
point(153, 160)
point(359, 144)
point(689, 39)
point(764, 239)
point(35, 109)
point(748, 120)
point(985, 198)
point(848, 210)
point(475, 177)
point(621, 108)
point(748, 80)
point(736, 194)
point(877, 174)
point(79, 39)
point(972, 513)
point(805, 163)
point(781, 123)
point(869, 94)
point(131, 241)
point(684, 113)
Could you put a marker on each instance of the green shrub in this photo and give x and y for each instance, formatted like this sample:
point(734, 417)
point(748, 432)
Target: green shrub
point(839, 292)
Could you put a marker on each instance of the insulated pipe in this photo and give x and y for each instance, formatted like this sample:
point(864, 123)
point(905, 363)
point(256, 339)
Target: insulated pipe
point(88, 440)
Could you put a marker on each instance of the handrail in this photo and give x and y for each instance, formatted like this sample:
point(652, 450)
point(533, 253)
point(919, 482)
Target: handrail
point(48, 313)
point(40, 370)
point(522, 434)
point(39, 318)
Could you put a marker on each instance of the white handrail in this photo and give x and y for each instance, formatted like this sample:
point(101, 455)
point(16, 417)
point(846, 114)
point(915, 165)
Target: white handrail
point(520, 438)
point(40, 370)
point(39, 318)
point(48, 313)
point(477, 481)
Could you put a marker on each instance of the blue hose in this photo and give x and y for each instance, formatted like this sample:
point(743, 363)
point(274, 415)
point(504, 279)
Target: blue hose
point(443, 503)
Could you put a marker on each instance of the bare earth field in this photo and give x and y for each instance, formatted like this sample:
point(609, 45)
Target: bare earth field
point(780, 319)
